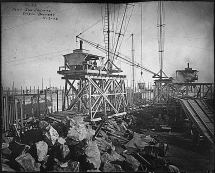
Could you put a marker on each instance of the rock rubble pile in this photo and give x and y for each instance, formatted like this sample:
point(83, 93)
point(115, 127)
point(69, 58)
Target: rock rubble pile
point(70, 145)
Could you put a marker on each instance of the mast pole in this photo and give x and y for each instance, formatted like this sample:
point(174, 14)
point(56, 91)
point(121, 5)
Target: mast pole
point(132, 50)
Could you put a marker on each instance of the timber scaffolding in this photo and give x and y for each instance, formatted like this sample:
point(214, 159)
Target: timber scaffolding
point(18, 105)
point(92, 89)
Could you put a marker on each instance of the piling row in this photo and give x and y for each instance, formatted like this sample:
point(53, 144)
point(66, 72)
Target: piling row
point(19, 105)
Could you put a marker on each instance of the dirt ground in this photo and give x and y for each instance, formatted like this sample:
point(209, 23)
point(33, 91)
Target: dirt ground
point(183, 152)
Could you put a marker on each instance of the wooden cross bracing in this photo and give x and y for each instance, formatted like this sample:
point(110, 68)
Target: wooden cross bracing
point(94, 94)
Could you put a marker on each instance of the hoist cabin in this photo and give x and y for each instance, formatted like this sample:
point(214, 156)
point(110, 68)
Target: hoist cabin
point(187, 75)
point(80, 61)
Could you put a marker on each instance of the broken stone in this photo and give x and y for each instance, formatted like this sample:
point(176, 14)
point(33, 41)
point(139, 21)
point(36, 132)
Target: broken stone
point(43, 125)
point(50, 135)
point(70, 166)
point(6, 168)
point(103, 145)
point(79, 131)
point(61, 140)
point(7, 139)
point(5, 150)
point(64, 165)
point(109, 167)
point(137, 141)
point(64, 150)
point(28, 163)
point(42, 150)
point(132, 162)
point(93, 154)
point(92, 170)
point(114, 156)
point(118, 168)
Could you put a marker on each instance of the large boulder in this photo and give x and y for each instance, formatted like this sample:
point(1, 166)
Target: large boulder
point(79, 130)
point(50, 135)
point(93, 154)
point(28, 163)
point(42, 150)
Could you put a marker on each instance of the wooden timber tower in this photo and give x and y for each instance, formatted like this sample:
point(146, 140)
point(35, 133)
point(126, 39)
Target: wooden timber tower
point(91, 86)
point(163, 85)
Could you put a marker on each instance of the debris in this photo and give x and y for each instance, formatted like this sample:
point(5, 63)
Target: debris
point(28, 163)
point(42, 150)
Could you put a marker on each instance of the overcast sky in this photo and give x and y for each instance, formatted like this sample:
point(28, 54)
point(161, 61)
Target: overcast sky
point(33, 43)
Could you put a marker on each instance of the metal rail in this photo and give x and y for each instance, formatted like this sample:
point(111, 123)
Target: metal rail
point(199, 118)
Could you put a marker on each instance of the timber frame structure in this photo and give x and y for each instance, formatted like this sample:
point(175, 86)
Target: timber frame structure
point(92, 91)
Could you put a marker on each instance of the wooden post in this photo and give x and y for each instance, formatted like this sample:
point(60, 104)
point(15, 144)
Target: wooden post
point(32, 107)
point(34, 89)
point(51, 100)
point(57, 100)
point(16, 114)
point(46, 107)
point(24, 113)
point(21, 114)
point(38, 102)
point(4, 115)
point(6, 107)
point(62, 99)
point(30, 89)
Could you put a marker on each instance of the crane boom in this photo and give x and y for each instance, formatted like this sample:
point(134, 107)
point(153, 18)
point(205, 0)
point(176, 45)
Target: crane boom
point(101, 48)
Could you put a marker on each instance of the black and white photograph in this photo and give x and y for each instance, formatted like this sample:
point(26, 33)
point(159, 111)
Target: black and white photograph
point(107, 86)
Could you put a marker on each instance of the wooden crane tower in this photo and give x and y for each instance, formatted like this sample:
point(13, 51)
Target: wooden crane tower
point(93, 87)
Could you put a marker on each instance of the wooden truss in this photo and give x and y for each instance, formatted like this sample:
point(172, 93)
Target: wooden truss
point(90, 94)
point(162, 91)
point(165, 91)
point(197, 90)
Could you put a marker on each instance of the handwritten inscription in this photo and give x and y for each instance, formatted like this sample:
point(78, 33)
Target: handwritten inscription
point(33, 10)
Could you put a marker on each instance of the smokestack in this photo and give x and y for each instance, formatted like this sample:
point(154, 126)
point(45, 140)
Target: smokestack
point(81, 43)
point(188, 65)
